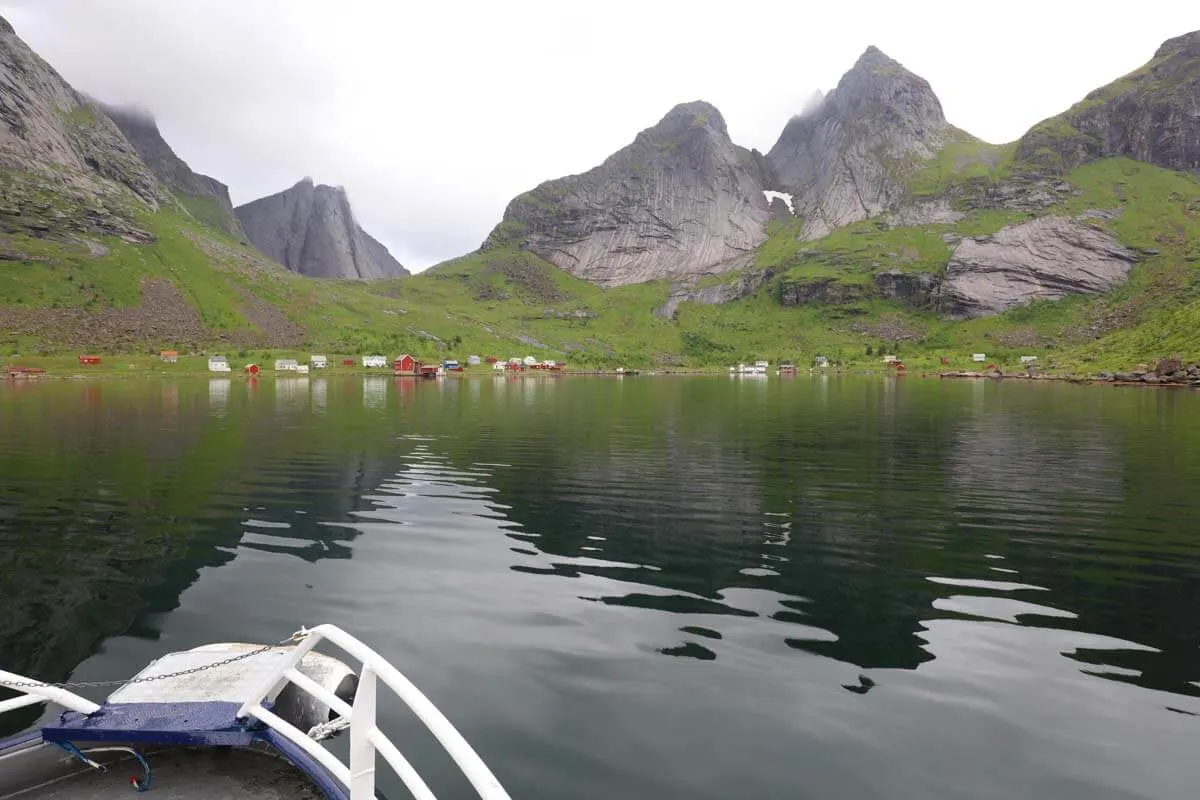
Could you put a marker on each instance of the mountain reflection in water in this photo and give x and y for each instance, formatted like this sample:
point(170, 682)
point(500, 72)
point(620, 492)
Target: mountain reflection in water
point(678, 587)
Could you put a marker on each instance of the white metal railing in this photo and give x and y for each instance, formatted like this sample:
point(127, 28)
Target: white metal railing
point(34, 692)
point(366, 739)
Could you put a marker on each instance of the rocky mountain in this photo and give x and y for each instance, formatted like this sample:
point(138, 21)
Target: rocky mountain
point(1151, 114)
point(53, 139)
point(681, 199)
point(204, 197)
point(310, 229)
point(844, 158)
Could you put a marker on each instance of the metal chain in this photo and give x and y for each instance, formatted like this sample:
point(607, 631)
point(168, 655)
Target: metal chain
point(295, 637)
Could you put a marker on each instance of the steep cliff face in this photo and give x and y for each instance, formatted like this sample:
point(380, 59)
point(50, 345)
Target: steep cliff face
point(844, 158)
point(680, 200)
point(1043, 259)
point(311, 230)
point(1152, 115)
point(204, 197)
point(52, 139)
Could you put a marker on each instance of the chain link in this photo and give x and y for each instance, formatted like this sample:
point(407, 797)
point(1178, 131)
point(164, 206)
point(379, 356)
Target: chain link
point(295, 637)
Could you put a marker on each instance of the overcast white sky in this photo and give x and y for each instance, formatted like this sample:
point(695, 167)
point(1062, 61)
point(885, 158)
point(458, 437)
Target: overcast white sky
point(434, 115)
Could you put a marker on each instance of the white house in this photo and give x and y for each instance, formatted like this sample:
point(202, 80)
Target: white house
point(530, 361)
point(302, 369)
point(286, 364)
point(318, 362)
point(474, 361)
point(374, 361)
point(500, 366)
point(218, 364)
point(1028, 359)
point(978, 357)
point(890, 359)
point(822, 361)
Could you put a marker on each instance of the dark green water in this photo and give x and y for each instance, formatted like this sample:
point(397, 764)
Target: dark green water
point(651, 588)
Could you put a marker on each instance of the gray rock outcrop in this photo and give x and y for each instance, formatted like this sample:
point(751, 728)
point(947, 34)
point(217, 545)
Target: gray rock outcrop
point(1042, 259)
point(53, 140)
point(919, 290)
point(310, 229)
point(845, 156)
point(1152, 115)
point(204, 197)
point(688, 292)
point(682, 199)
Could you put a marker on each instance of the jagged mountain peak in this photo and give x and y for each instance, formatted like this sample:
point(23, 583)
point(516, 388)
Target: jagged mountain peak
point(873, 58)
point(680, 199)
point(697, 114)
point(6, 26)
point(310, 228)
point(843, 158)
point(879, 82)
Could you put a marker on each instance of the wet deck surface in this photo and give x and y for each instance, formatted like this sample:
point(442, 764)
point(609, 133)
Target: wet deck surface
point(48, 773)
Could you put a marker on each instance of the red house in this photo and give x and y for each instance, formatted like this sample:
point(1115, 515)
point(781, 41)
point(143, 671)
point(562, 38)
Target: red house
point(405, 365)
point(491, 359)
point(89, 359)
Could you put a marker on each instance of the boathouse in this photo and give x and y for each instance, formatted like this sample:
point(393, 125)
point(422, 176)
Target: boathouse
point(405, 364)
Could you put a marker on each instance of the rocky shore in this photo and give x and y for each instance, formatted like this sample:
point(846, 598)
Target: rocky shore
point(1166, 372)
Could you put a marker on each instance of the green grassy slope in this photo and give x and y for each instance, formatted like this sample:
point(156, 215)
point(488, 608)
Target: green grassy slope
point(507, 302)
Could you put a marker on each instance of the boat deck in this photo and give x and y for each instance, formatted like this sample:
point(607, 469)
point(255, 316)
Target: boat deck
point(46, 772)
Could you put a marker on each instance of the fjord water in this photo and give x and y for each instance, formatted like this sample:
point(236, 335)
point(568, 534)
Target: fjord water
point(651, 587)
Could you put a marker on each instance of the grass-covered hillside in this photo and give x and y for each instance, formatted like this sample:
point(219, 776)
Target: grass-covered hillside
point(196, 289)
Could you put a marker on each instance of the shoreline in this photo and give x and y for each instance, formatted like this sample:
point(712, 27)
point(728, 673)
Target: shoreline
point(111, 375)
point(1166, 372)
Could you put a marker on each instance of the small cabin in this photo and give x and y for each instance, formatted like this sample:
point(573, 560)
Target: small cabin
point(90, 360)
point(252, 369)
point(218, 364)
point(286, 365)
point(473, 361)
point(347, 362)
point(450, 363)
point(490, 359)
point(406, 364)
point(821, 361)
point(301, 369)
point(1028, 359)
point(530, 361)
point(318, 362)
point(979, 358)
point(890, 359)
point(374, 361)
point(169, 356)
point(499, 366)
